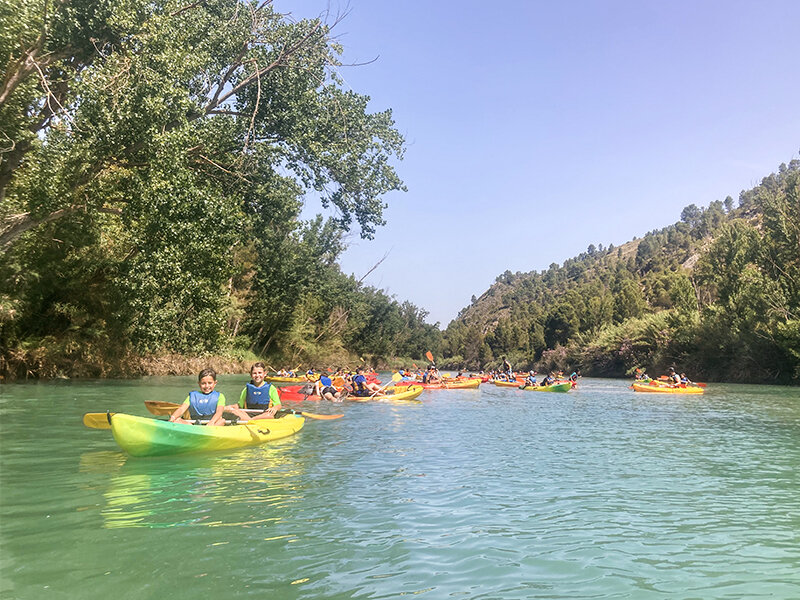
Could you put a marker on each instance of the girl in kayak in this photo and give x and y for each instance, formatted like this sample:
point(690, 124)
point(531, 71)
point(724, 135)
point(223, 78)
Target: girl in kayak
point(203, 404)
point(324, 389)
point(258, 395)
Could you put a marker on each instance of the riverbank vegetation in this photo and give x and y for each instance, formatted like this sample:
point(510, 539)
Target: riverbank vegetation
point(156, 158)
point(716, 294)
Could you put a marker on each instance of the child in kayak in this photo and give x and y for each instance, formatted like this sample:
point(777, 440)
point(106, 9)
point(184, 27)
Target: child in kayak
point(203, 404)
point(361, 387)
point(258, 395)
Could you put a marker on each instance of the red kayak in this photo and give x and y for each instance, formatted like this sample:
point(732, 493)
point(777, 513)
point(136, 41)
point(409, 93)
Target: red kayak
point(292, 393)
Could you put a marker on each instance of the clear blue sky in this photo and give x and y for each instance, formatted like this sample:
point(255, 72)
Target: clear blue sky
point(535, 128)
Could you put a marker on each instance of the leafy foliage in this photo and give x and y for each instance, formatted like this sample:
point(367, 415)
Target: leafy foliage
point(155, 160)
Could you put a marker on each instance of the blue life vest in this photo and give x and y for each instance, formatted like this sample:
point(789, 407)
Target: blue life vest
point(257, 397)
point(360, 386)
point(325, 381)
point(202, 405)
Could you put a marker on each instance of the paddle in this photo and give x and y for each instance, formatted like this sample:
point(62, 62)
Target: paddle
point(429, 356)
point(159, 407)
point(395, 378)
point(102, 420)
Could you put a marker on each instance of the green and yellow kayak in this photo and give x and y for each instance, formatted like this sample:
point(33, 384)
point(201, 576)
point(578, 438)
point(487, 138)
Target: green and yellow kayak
point(556, 387)
point(142, 436)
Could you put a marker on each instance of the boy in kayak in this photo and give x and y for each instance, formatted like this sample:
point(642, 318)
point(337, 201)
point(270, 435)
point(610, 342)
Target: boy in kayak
point(361, 387)
point(257, 395)
point(203, 404)
point(673, 378)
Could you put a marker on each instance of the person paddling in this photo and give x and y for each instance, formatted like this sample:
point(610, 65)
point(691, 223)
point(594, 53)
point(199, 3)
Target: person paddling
point(258, 395)
point(673, 378)
point(361, 387)
point(205, 404)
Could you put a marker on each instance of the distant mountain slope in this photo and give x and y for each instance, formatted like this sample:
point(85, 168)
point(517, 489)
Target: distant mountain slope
point(656, 301)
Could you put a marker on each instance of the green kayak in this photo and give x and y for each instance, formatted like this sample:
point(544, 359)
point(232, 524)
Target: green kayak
point(556, 387)
point(143, 436)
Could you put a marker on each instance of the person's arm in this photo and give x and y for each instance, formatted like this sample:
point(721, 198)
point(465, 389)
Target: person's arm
point(243, 398)
point(274, 397)
point(177, 416)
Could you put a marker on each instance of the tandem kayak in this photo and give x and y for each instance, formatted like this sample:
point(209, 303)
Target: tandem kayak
point(412, 392)
point(564, 386)
point(142, 436)
point(665, 389)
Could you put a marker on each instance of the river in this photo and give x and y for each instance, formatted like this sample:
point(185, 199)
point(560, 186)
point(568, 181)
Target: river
point(492, 493)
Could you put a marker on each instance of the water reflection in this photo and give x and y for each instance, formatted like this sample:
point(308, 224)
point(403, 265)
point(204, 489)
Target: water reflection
point(212, 490)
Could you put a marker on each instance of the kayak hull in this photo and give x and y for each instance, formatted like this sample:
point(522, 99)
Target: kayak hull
point(663, 389)
point(556, 387)
point(466, 384)
point(142, 436)
point(412, 392)
point(499, 383)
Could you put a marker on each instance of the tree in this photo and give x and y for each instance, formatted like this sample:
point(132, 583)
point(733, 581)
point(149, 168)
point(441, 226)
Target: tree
point(149, 142)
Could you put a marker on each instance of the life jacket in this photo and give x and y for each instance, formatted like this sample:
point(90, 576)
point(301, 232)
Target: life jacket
point(202, 405)
point(257, 397)
point(360, 387)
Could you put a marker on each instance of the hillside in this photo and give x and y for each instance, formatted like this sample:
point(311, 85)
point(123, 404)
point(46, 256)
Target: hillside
point(717, 290)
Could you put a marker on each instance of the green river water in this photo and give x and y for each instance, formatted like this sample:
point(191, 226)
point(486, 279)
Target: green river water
point(488, 493)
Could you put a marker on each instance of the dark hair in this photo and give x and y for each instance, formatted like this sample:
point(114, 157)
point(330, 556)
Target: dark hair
point(206, 373)
point(258, 364)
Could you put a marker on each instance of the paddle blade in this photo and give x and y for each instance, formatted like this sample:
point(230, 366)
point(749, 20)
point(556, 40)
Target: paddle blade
point(321, 417)
point(429, 355)
point(97, 420)
point(162, 409)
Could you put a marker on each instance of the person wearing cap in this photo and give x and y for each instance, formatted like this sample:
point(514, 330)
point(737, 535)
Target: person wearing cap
point(403, 376)
point(531, 378)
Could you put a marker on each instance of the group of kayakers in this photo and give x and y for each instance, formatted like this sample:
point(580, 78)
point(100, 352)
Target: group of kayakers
point(672, 378)
point(260, 399)
point(209, 405)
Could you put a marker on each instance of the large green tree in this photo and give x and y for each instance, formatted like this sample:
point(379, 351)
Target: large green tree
point(150, 148)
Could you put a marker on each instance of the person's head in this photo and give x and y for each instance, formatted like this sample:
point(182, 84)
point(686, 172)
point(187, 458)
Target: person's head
point(207, 380)
point(360, 371)
point(671, 370)
point(402, 372)
point(258, 372)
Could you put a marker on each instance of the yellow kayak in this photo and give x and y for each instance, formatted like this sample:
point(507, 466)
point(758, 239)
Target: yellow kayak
point(411, 392)
point(290, 379)
point(665, 389)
